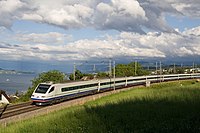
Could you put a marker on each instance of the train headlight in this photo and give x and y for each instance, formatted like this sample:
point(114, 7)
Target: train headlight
point(42, 96)
point(32, 95)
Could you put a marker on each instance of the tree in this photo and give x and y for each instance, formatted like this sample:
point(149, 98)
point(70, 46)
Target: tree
point(102, 75)
point(180, 70)
point(17, 93)
point(78, 75)
point(53, 75)
point(123, 70)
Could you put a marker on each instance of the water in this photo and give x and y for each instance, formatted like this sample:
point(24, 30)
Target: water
point(15, 82)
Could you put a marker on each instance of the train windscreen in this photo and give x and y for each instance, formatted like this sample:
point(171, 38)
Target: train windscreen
point(42, 88)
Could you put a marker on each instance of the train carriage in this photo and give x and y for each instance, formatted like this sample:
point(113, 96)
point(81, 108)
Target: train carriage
point(49, 93)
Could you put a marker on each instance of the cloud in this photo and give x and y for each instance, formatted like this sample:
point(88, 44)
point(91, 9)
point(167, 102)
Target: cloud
point(187, 8)
point(44, 38)
point(65, 14)
point(155, 12)
point(120, 15)
point(2, 29)
point(126, 44)
point(5, 45)
point(194, 31)
point(129, 15)
point(10, 10)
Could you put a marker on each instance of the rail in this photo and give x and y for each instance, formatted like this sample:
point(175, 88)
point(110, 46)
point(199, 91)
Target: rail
point(16, 109)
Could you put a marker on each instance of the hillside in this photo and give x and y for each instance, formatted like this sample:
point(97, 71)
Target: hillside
point(166, 107)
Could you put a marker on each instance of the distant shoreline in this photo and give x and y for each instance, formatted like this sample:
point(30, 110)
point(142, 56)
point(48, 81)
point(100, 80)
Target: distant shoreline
point(3, 71)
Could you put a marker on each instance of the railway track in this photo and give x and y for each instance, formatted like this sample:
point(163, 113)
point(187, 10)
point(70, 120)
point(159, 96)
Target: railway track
point(16, 109)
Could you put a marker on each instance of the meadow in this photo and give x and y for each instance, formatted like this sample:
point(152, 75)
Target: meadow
point(165, 107)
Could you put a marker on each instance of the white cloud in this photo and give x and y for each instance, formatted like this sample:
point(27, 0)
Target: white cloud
point(194, 31)
point(129, 15)
point(187, 7)
point(61, 13)
point(9, 11)
point(33, 17)
point(45, 38)
point(162, 45)
point(128, 7)
point(183, 51)
point(2, 29)
point(120, 15)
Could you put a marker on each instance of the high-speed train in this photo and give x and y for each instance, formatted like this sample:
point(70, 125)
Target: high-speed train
point(49, 93)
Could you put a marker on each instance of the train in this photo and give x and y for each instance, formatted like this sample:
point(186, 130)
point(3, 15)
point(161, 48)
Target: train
point(50, 93)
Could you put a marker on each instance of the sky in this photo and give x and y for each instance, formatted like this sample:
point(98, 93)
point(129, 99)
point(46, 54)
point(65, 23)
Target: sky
point(73, 30)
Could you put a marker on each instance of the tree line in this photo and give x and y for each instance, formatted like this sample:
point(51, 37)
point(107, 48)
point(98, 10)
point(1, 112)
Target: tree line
point(121, 70)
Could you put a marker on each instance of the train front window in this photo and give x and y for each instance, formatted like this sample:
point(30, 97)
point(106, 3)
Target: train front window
point(42, 88)
point(52, 89)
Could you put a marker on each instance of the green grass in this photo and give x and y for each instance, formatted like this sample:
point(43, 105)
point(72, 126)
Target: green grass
point(166, 107)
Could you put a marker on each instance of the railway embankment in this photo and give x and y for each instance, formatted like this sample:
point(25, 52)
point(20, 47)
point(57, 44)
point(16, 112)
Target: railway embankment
point(25, 111)
point(166, 107)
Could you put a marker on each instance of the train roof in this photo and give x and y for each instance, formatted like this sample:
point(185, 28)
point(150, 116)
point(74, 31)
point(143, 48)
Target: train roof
point(73, 83)
point(81, 82)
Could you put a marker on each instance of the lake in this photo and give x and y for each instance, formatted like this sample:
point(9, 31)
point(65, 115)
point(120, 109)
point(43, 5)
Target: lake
point(13, 82)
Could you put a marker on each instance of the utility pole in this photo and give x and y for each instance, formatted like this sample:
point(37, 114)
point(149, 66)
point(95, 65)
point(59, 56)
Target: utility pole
point(160, 68)
point(110, 71)
point(74, 71)
point(94, 68)
point(174, 68)
point(110, 68)
point(135, 67)
point(156, 67)
point(114, 74)
point(160, 71)
point(193, 68)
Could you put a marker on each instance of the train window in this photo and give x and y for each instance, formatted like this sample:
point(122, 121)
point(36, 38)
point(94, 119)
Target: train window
point(121, 81)
point(106, 83)
point(78, 87)
point(52, 89)
point(89, 85)
point(131, 80)
point(63, 89)
point(71, 88)
point(67, 89)
point(42, 88)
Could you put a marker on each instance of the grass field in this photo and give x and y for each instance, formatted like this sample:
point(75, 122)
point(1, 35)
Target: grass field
point(166, 107)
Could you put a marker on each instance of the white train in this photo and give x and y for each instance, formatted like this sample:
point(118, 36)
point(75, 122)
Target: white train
point(49, 93)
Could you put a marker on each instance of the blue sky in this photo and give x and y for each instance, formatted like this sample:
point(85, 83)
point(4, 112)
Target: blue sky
point(77, 31)
point(182, 23)
point(78, 34)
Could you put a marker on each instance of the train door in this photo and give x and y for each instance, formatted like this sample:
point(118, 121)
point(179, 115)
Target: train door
point(51, 92)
